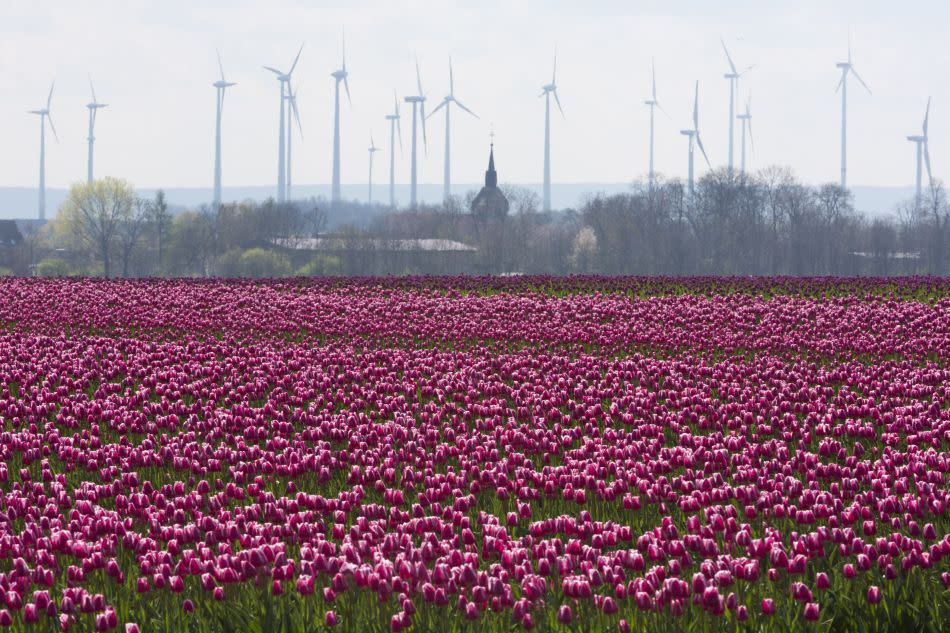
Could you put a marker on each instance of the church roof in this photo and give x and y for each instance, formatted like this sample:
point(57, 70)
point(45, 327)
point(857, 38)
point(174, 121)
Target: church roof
point(490, 203)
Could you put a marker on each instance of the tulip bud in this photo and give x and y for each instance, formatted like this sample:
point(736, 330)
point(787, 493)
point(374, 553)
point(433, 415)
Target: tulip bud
point(564, 615)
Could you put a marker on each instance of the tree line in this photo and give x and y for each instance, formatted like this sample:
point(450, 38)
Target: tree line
point(767, 223)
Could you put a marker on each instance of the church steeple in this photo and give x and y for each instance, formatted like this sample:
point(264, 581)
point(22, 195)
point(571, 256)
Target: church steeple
point(491, 178)
point(490, 204)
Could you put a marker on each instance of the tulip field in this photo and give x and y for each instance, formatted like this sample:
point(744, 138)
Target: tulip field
point(475, 454)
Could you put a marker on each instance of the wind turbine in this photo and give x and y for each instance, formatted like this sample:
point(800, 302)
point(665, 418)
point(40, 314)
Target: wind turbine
point(394, 127)
point(418, 102)
point(546, 91)
point(295, 115)
point(746, 119)
point(446, 103)
point(340, 76)
point(846, 67)
point(372, 150)
point(284, 79)
point(44, 114)
point(694, 138)
point(220, 86)
point(733, 77)
point(923, 152)
point(653, 103)
point(93, 106)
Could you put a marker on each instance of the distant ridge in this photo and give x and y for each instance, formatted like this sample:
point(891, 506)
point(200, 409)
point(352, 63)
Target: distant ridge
point(20, 202)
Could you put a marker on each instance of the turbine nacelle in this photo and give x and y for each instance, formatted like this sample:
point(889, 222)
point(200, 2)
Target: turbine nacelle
point(224, 84)
point(917, 139)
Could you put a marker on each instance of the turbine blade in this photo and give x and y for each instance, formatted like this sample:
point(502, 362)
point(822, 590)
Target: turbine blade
point(438, 107)
point(343, 40)
point(50, 97)
point(296, 59)
point(858, 77)
point(461, 105)
point(295, 112)
point(729, 57)
point(422, 115)
point(663, 111)
point(653, 66)
point(554, 72)
point(927, 118)
point(399, 134)
point(93, 89)
point(346, 84)
point(930, 176)
point(558, 101)
point(451, 79)
point(751, 138)
point(747, 69)
point(699, 141)
point(696, 108)
point(52, 127)
point(220, 65)
point(273, 70)
point(840, 81)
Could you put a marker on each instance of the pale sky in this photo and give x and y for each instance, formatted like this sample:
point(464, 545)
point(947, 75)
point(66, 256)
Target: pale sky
point(154, 64)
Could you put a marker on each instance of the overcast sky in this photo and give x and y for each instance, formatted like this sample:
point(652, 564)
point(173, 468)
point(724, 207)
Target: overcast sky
point(154, 63)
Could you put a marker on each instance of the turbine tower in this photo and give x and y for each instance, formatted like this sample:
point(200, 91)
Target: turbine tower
point(846, 67)
point(923, 153)
point(418, 102)
point(746, 119)
point(220, 86)
point(394, 128)
point(284, 79)
point(694, 139)
point(372, 150)
point(654, 104)
point(446, 103)
point(44, 114)
point(546, 91)
point(340, 76)
point(733, 77)
point(295, 115)
point(93, 106)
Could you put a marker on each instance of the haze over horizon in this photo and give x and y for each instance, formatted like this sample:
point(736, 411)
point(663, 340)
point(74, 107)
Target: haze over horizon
point(158, 128)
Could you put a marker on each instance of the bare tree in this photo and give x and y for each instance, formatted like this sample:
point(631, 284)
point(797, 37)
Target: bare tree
point(161, 221)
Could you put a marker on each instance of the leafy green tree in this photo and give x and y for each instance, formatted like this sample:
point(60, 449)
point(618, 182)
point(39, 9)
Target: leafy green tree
point(93, 213)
